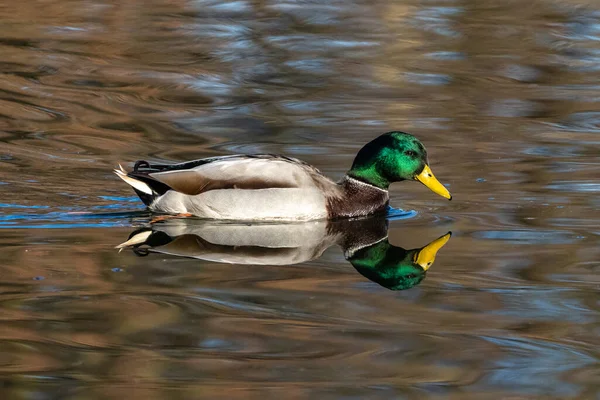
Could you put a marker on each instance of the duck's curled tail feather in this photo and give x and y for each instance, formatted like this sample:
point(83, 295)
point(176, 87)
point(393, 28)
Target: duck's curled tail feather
point(137, 184)
point(147, 188)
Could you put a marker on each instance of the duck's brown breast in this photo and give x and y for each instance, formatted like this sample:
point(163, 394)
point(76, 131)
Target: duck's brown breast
point(355, 199)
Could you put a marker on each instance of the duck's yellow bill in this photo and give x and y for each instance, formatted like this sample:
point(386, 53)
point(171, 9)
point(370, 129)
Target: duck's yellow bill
point(427, 178)
point(426, 256)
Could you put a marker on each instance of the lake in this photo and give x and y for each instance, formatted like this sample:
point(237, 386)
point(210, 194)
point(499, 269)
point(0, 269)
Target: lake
point(504, 95)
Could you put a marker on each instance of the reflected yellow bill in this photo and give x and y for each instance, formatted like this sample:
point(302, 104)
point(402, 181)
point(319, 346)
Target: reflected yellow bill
point(426, 256)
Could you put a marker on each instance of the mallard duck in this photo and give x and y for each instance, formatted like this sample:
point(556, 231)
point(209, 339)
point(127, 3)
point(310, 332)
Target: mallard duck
point(364, 242)
point(265, 187)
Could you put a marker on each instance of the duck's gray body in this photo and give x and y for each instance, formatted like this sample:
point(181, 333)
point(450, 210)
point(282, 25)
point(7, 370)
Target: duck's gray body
point(253, 188)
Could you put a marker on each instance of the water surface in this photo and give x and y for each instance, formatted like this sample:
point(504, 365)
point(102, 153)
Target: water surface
point(503, 94)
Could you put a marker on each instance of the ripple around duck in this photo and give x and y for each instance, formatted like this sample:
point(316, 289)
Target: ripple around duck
point(585, 122)
point(526, 237)
point(71, 219)
point(107, 215)
point(397, 214)
point(570, 186)
point(529, 362)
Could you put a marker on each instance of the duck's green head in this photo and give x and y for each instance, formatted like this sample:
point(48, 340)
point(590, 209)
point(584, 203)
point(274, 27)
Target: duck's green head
point(393, 157)
point(394, 267)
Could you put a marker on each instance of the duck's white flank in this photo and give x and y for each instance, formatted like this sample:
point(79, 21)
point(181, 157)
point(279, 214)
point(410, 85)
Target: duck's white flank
point(292, 204)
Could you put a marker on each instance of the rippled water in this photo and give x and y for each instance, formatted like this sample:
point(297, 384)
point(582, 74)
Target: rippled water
point(504, 95)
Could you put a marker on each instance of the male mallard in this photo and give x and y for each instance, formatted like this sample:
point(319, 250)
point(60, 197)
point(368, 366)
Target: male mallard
point(266, 187)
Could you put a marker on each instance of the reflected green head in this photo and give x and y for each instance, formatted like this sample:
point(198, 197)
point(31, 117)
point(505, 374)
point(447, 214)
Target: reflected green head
point(390, 266)
point(392, 157)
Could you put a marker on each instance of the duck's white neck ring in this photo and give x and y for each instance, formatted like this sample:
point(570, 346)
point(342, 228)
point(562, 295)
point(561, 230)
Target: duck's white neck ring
point(354, 180)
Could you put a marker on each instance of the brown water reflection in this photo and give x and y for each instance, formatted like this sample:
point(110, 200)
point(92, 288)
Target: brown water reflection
point(503, 94)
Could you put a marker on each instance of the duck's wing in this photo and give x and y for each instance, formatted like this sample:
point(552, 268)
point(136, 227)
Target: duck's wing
point(233, 172)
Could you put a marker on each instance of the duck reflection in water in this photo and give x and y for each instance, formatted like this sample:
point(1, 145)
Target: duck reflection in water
point(364, 243)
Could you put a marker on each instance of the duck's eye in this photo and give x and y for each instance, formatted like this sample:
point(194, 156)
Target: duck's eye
point(410, 153)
